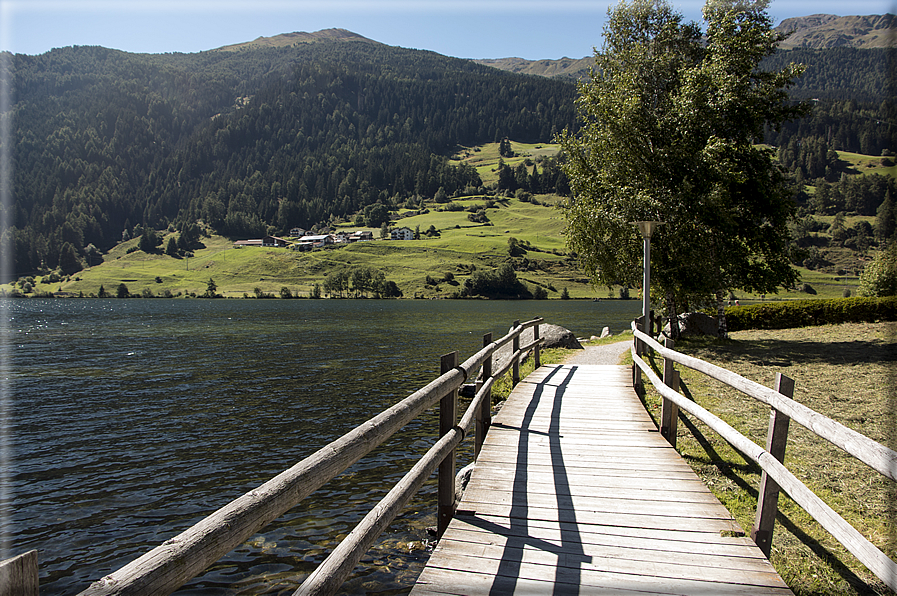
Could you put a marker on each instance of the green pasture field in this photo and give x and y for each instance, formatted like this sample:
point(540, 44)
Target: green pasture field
point(485, 158)
point(461, 247)
point(868, 164)
point(844, 372)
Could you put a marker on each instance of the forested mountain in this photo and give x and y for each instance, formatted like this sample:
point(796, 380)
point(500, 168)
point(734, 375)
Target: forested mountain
point(267, 136)
point(298, 129)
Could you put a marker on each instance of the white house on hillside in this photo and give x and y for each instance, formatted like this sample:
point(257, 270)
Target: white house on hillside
point(318, 241)
point(402, 234)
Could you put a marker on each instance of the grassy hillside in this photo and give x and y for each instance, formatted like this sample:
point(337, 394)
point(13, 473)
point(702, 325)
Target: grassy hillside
point(460, 248)
point(485, 158)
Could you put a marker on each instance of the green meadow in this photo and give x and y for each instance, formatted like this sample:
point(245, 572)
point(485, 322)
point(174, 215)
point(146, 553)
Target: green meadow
point(459, 248)
point(448, 257)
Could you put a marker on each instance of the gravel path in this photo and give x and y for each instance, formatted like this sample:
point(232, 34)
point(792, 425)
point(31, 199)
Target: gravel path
point(606, 354)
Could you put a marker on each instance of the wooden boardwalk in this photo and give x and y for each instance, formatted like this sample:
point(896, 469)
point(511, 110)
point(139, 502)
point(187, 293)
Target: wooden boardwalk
point(575, 492)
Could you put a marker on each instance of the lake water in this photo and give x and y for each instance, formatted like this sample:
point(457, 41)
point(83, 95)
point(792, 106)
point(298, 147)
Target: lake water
point(131, 420)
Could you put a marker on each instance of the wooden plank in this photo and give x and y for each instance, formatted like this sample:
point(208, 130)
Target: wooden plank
point(19, 575)
point(669, 579)
point(575, 491)
point(543, 552)
point(690, 494)
point(665, 541)
point(691, 534)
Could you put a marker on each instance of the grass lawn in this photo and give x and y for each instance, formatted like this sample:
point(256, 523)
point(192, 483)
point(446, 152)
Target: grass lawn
point(845, 372)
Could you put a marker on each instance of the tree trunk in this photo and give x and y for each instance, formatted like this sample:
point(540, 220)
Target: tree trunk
point(721, 316)
point(673, 316)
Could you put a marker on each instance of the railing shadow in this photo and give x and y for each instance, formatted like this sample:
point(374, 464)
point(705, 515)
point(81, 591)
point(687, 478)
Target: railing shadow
point(517, 533)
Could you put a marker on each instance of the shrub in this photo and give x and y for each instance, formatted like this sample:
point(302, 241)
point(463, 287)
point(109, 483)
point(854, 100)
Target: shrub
point(879, 278)
point(807, 313)
point(502, 283)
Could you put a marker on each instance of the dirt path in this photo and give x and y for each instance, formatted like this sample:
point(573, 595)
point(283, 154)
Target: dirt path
point(606, 354)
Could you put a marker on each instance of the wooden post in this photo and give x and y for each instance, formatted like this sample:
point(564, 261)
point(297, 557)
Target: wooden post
point(636, 371)
point(768, 495)
point(19, 575)
point(669, 411)
point(537, 352)
point(515, 347)
point(448, 418)
point(484, 416)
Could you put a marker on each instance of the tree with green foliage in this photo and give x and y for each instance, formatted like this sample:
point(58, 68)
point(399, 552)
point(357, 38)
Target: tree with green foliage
point(886, 219)
point(68, 259)
point(122, 291)
point(376, 215)
point(148, 240)
point(879, 277)
point(670, 121)
point(501, 283)
point(211, 289)
point(171, 249)
point(91, 252)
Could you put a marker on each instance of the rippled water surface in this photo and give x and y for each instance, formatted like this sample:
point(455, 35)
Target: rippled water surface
point(133, 419)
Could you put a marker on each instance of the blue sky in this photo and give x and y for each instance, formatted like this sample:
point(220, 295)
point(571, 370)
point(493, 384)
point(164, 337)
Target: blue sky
point(529, 29)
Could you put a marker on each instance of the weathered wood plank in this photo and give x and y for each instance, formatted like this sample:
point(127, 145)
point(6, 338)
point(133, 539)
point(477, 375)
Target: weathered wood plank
point(19, 575)
point(662, 540)
point(575, 491)
point(692, 534)
point(545, 552)
point(640, 576)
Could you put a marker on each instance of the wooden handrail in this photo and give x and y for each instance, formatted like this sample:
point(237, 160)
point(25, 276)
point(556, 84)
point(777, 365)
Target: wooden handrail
point(330, 575)
point(874, 454)
point(867, 553)
point(168, 566)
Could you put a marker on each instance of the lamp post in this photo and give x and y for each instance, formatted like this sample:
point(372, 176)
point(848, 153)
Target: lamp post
point(647, 229)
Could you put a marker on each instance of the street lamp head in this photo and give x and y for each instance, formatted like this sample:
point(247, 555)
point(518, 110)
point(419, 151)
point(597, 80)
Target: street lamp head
point(647, 227)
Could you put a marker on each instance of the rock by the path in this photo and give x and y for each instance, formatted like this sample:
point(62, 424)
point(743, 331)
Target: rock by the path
point(695, 323)
point(555, 337)
point(462, 478)
point(605, 332)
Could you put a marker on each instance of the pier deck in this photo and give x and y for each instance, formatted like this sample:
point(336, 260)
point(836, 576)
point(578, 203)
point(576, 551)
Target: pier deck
point(575, 492)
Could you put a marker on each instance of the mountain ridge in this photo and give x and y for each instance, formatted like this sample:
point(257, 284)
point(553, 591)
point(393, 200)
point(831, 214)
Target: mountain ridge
point(296, 38)
point(817, 31)
point(822, 31)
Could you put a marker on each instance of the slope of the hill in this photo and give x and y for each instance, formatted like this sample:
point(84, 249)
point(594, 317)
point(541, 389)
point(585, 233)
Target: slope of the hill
point(295, 38)
point(831, 31)
point(564, 68)
point(266, 136)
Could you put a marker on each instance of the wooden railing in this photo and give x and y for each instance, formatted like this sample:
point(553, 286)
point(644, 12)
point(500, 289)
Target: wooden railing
point(774, 474)
point(168, 566)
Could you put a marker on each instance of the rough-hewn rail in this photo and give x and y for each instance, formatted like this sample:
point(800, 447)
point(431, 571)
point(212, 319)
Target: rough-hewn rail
point(168, 566)
point(879, 457)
